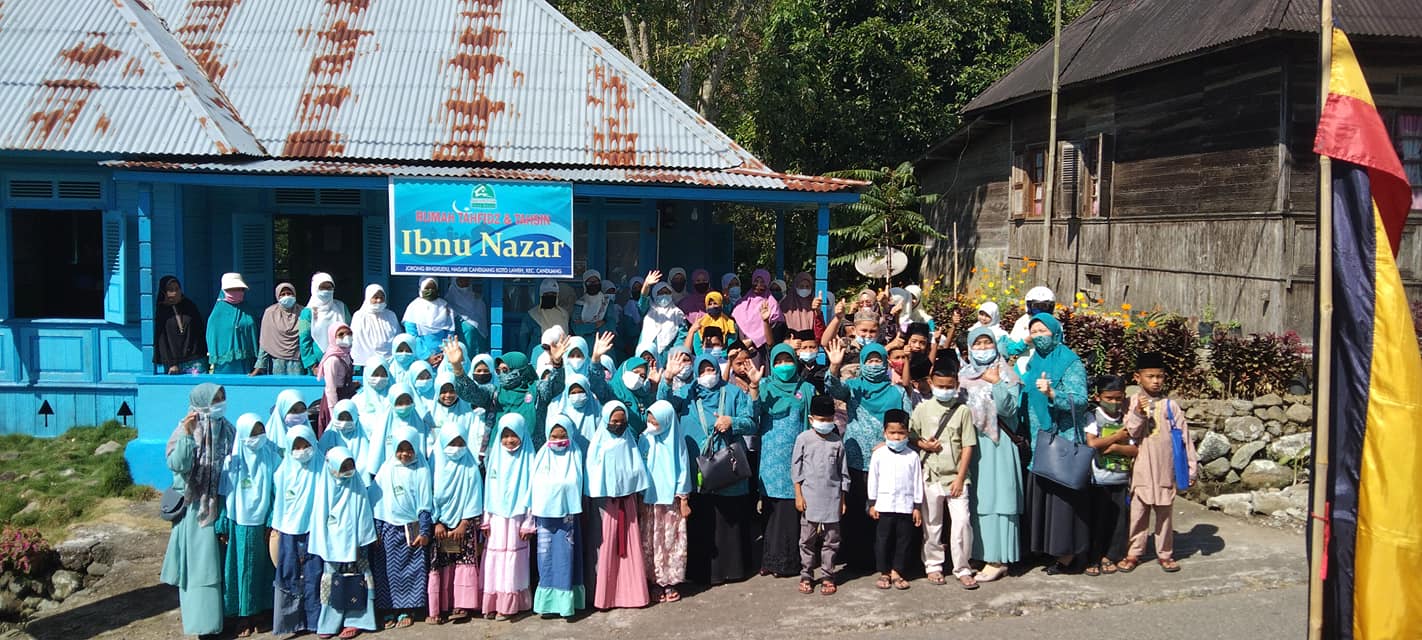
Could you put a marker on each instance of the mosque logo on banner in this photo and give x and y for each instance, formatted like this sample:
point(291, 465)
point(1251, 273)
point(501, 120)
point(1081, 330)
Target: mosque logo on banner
point(489, 229)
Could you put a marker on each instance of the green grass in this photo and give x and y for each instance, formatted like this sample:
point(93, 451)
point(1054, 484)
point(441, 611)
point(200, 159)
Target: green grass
point(54, 482)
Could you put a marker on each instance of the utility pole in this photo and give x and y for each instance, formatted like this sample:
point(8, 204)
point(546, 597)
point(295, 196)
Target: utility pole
point(1051, 173)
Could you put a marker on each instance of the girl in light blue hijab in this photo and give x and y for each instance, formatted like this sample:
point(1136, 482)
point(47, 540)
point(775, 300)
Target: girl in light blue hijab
point(508, 498)
point(403, 495)
point(403, 414)
point(298, 597)
point(247, 563)
point(558, 482)
point(402, 357)
point(665, 502)
point(346, 430)
point(289, 411)
point(421, 380)
point(371, 399)
point(342, 527)
point(616, 475)
point(580, 405)
point(458, 508)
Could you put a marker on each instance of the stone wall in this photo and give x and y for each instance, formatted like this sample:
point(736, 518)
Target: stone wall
point(1255, 455)
point(73, 565)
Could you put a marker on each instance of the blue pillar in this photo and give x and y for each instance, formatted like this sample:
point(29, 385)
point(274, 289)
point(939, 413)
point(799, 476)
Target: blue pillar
point(822, 256)
point(145, 269)
point(495, 295)
point(780, 245)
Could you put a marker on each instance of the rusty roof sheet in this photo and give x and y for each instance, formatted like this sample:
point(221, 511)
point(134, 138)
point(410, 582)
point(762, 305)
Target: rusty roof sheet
point(737, 177)
point(482, 81)
point(91, 76)
point(1117, 36)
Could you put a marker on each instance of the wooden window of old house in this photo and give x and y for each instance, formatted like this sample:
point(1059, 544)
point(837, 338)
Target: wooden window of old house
point(1095, 161)
point(1405, 128)
point(1029, 169)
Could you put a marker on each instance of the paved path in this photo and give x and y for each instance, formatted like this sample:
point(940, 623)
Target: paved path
point(1237, 576)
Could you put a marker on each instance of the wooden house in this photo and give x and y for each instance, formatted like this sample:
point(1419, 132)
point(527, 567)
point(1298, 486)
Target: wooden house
point(1186, 177)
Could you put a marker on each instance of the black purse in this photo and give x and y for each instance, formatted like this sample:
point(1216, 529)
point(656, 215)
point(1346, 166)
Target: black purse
point(724, 467)
point(348, 590)
point(1062, 461)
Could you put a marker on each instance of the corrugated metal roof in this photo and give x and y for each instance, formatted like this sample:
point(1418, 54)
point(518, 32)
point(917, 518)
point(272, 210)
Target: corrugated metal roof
point(90, 76)
point(738, 177)
point(1116, 36)
point(488, 81)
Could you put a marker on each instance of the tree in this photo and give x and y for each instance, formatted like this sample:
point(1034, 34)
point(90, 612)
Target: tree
point(889, 214)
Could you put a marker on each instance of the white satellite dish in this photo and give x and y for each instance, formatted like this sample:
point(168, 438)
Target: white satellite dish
point(883, 263)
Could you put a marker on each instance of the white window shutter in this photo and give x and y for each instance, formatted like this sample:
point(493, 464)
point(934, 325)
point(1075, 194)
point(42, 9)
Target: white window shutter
point(252, 257)
point(115, 268)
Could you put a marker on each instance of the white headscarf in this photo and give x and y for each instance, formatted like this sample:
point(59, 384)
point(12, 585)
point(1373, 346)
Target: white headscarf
point(469, 306)
point(661, 324)
point(594, 304)
point(372, 330)
point(429, 316)
point(324, 314)
point(995, 323)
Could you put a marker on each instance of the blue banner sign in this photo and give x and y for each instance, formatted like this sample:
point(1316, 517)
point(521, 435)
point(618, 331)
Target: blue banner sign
point(481, 228)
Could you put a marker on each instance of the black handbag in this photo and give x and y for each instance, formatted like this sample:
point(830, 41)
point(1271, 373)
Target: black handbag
point(173, 505)
point(723, 467)
point(348, 590)
point(1062, 461)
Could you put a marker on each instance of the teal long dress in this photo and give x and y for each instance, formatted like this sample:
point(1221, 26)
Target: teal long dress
point(231, 338)
point(997, 486)
point(193, 562)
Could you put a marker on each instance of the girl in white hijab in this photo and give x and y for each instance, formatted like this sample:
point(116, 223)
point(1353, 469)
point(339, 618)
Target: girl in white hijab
point(590, 311)
point(468, 304)
point(322, 312)
point(547, 315)
point(664, 324)
point(374, 326)
point(429, 319)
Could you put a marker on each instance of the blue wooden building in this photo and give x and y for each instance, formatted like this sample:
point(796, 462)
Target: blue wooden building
point(190, 137)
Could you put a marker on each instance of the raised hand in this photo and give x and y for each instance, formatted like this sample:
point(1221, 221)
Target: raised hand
point(454, 353)
point(1044, 384)
point(603, 344)
point(557, 349)
point(654, 276)
point(835, 352)
point(674, 367)
point(818, 302)
point(839, 309)
point(189, 422)
point(765, 311)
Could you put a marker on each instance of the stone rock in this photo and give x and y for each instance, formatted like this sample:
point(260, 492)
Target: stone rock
point(1235, 504)
point(19, 587)
point(64, 583)
point(98, 570)
point(1297, 514)
point(1266, 474)
point(1243, 428)
point(1217, 408)
point(1232, 477)
point(1291, 428)
point(1241, 407)
point(45, 606)
point(10, 606)
point(1268, 400)
point(1269, 502)
point(1195, 412)
point(1216, 469)
point(1266, 437)
point(1274, 428)
point(7, 476)
point(1300, 414)
point(1274, 413)
point(1197, 433)
point(1298, 446)
point(77, 553)
point(1261, 413)
point(1244, 454)
point(107, 448)
point(1211, 447)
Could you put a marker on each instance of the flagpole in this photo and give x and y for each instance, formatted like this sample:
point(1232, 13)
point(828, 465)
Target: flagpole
point(1048, 198)
point(1323, 351)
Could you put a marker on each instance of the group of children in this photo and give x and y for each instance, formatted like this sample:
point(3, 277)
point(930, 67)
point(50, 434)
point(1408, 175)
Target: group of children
point(448, 486)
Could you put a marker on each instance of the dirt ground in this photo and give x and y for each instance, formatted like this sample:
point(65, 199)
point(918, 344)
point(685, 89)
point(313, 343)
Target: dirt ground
point(1221, 556)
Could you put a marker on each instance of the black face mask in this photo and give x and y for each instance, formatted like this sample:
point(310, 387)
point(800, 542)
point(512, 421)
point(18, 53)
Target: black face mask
point(1042, 307)
point(678, 285)
point(592, 289)
point(714, 312)
point(616, 429)
point(703, 287)
point(548, 301)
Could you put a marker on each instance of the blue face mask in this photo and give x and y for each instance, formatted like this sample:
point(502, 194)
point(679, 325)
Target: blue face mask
point(872, 371)
point(405, 411)
point(983, 356)
point(1044, 344)
point(861, 340)
point(718, 353)
point(897, 446)
point(784, 372)
point(404, 357)
point(424, 384)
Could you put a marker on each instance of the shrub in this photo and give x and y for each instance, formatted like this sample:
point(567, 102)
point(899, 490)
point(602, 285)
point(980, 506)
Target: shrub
point(1176, 341)
point(23, 550)
point(1258, 364)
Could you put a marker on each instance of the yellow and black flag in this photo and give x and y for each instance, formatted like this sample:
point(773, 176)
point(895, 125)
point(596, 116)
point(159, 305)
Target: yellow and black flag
point(1373, 544)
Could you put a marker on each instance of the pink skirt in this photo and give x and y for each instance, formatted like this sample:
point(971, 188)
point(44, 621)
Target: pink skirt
point(505, 569)
point(452, 587)
point(621, 572)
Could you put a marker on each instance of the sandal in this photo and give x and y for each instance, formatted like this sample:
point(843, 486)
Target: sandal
point(883, 582)
point(1127, 564)
point(433, 620)
point(459, 615)
point(348, 633)
point(387, 623)
point(1169, 565)
point(404, 622)
point(827, 588)
point(1107, 567)
point(807, 587)
point(671, 595)
point(1092, 570)
point(1057, 568)
point(991, 573)
point(901, 584)
point(968, 583)
point(936, 578)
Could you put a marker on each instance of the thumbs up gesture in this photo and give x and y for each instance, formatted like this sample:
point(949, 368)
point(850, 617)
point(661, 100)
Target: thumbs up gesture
point(1044, 384)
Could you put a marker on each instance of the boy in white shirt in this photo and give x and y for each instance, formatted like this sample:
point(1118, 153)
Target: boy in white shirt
point(895, 496)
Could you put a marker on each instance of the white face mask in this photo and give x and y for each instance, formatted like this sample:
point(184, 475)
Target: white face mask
point(424, 384)
point(808, 356)
point(578, 399)
point(944, 395)
point(344, 343)
point(325, 295)
point(343, 426)
point(345, 475)
point(303, 455)
point(378, 382)
point(377, 306)
point(652, 428)
point(822, 426)
point(576, 364)
point(983, 356)
point(664, 301)
point(708, 380)
point(255, 442)
point(453, 452)
point(633, 381)
point(216, 410)
point(803, 293)
point(287, 302)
